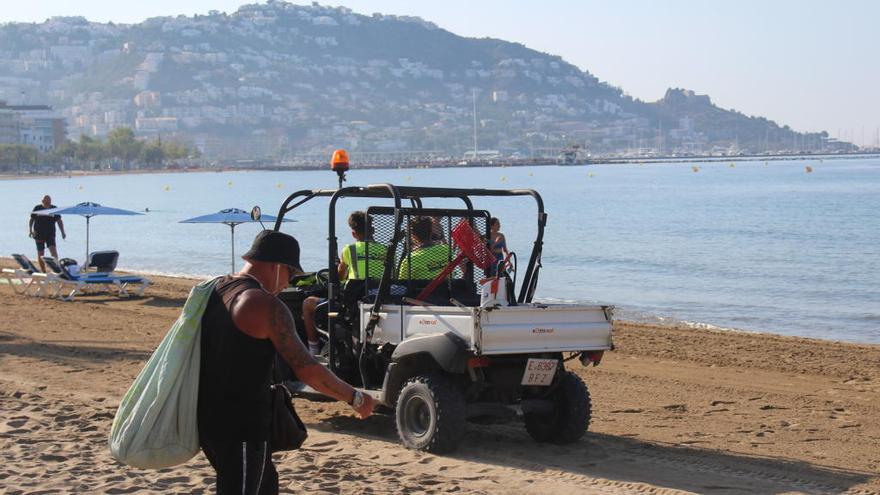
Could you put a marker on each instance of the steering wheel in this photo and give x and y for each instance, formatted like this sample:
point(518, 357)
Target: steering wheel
point(319, 279)
point(322, 277)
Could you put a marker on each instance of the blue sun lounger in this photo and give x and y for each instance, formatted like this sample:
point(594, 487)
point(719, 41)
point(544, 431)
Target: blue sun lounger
point(62, 279)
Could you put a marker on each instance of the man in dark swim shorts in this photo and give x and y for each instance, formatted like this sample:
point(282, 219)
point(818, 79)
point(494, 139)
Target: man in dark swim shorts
point(42, 229)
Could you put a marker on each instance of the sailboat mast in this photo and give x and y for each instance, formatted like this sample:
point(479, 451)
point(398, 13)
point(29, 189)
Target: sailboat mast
point(475, 122)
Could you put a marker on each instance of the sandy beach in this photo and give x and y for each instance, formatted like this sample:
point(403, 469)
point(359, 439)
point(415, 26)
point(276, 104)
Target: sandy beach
point(676, 410)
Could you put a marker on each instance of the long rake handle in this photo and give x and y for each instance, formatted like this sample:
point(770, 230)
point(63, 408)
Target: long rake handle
point(442, 276)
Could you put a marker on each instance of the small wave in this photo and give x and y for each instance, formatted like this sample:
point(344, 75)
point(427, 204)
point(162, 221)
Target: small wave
point(668, 321)
point(565, 300)
point(169, 274)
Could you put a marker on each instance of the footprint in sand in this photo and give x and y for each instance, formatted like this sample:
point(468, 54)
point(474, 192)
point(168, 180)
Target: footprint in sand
point(710, 411)
point(676, 407)
point(116, 489)
point(17, 422)
point(329, 487)
point(53, 458)
point(177, 479)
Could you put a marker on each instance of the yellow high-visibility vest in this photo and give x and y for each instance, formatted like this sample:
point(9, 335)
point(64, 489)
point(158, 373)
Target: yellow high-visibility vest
point(425, 263)
point(359, 251)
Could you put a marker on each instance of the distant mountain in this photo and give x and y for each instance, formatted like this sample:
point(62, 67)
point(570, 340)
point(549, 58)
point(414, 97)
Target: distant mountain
point(280, 79)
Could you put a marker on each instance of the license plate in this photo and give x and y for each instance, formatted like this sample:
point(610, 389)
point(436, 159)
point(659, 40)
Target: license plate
point(540, 372)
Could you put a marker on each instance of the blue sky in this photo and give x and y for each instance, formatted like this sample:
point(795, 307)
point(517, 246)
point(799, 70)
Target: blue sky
point(811, 64)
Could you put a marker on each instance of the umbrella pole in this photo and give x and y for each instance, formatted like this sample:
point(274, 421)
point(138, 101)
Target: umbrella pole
point(232, 226)
point(86, 259)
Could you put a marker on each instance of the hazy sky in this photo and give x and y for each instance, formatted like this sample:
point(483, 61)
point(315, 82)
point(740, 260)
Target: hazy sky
point(810, 64)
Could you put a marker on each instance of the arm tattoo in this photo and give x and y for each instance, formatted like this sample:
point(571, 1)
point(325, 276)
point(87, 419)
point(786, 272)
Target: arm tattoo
point(290, 346)
point(299, 358)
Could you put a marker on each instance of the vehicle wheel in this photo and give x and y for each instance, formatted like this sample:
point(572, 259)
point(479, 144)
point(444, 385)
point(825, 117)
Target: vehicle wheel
point(571, 416)
point(430, 414)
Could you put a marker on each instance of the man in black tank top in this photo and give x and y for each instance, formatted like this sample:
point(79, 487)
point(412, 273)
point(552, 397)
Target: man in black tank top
point(244, 325)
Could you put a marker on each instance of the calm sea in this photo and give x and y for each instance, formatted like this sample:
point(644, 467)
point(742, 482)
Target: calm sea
point(753, 246)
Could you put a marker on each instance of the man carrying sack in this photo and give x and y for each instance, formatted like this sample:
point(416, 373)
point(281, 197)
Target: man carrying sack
point(243, 327)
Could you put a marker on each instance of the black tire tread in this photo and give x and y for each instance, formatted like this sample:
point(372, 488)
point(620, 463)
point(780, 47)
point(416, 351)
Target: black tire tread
point(451, 413)
point(573, 416)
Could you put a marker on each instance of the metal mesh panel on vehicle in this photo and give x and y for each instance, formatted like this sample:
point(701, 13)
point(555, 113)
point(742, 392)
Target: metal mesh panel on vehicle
point(415, 263)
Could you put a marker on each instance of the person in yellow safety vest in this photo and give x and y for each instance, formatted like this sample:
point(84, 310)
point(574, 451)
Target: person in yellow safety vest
point(427, 258)
point(357, 258)
point(367, 255)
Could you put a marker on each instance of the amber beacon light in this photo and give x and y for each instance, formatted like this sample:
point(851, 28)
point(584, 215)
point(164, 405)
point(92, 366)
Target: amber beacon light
point(339, 164)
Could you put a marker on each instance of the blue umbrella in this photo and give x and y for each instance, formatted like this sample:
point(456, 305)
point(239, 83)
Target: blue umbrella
point(231, 217)
point(88, 210)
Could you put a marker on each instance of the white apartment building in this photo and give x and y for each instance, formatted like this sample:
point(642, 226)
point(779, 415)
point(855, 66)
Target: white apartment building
point(38, 126)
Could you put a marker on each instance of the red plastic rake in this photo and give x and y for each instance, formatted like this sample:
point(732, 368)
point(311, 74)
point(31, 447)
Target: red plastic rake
point(471, 246)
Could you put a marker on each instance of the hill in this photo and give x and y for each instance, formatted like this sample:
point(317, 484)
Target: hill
point(278, 79)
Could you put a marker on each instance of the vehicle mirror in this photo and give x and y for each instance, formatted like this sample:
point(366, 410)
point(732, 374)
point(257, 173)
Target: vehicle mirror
point(256, 214)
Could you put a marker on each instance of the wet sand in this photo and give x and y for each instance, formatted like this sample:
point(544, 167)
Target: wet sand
point(675, 410)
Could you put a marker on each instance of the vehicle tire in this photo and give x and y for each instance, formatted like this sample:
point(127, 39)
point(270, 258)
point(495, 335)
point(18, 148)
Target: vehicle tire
point(430, 414)
point(571, 416)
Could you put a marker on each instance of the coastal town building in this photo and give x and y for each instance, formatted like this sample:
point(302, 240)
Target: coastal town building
point(9, 124)
point(33, 125)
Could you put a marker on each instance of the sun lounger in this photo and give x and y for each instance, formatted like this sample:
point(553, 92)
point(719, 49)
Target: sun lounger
point(26, 277)
point(62, 280)
point(103, 261)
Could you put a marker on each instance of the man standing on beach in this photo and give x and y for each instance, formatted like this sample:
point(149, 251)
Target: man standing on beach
point(243, 327)
point(42, 229)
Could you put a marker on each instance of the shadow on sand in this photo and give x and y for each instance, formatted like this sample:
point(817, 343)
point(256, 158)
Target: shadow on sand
point(626, 460)
point(146, 300)
point(74, 353)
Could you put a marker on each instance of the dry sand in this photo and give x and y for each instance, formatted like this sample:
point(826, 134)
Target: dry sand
point(675, 410)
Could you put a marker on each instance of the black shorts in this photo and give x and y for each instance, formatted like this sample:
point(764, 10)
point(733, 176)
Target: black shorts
point(43, 243)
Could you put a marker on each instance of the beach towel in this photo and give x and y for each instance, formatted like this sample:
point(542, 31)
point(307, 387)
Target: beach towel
point(156, 425)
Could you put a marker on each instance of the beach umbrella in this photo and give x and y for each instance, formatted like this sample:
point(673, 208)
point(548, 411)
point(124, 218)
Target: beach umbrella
point(87, 210)
point(231, 217)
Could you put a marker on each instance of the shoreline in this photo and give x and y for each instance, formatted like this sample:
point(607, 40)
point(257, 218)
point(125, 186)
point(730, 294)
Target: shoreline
point(674, 410)
point(646, 321)
point(422, 165)
point(649, 321)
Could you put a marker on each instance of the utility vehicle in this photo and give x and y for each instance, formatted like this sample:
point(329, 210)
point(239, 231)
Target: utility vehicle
point(446, 359)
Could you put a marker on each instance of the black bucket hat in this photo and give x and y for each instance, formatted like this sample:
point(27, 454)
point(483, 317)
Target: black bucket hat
point(272, 246)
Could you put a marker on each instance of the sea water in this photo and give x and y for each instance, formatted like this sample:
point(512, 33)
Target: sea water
point(764, 246)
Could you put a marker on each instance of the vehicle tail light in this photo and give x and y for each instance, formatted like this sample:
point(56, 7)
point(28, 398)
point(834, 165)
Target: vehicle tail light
point(478, 362)
point(594, 357)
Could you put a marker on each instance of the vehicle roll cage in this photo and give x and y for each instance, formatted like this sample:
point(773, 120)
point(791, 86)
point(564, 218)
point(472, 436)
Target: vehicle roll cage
point(414, 195)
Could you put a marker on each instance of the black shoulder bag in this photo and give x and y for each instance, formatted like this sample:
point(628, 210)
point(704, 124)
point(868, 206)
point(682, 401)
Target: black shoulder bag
point(288, 431)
